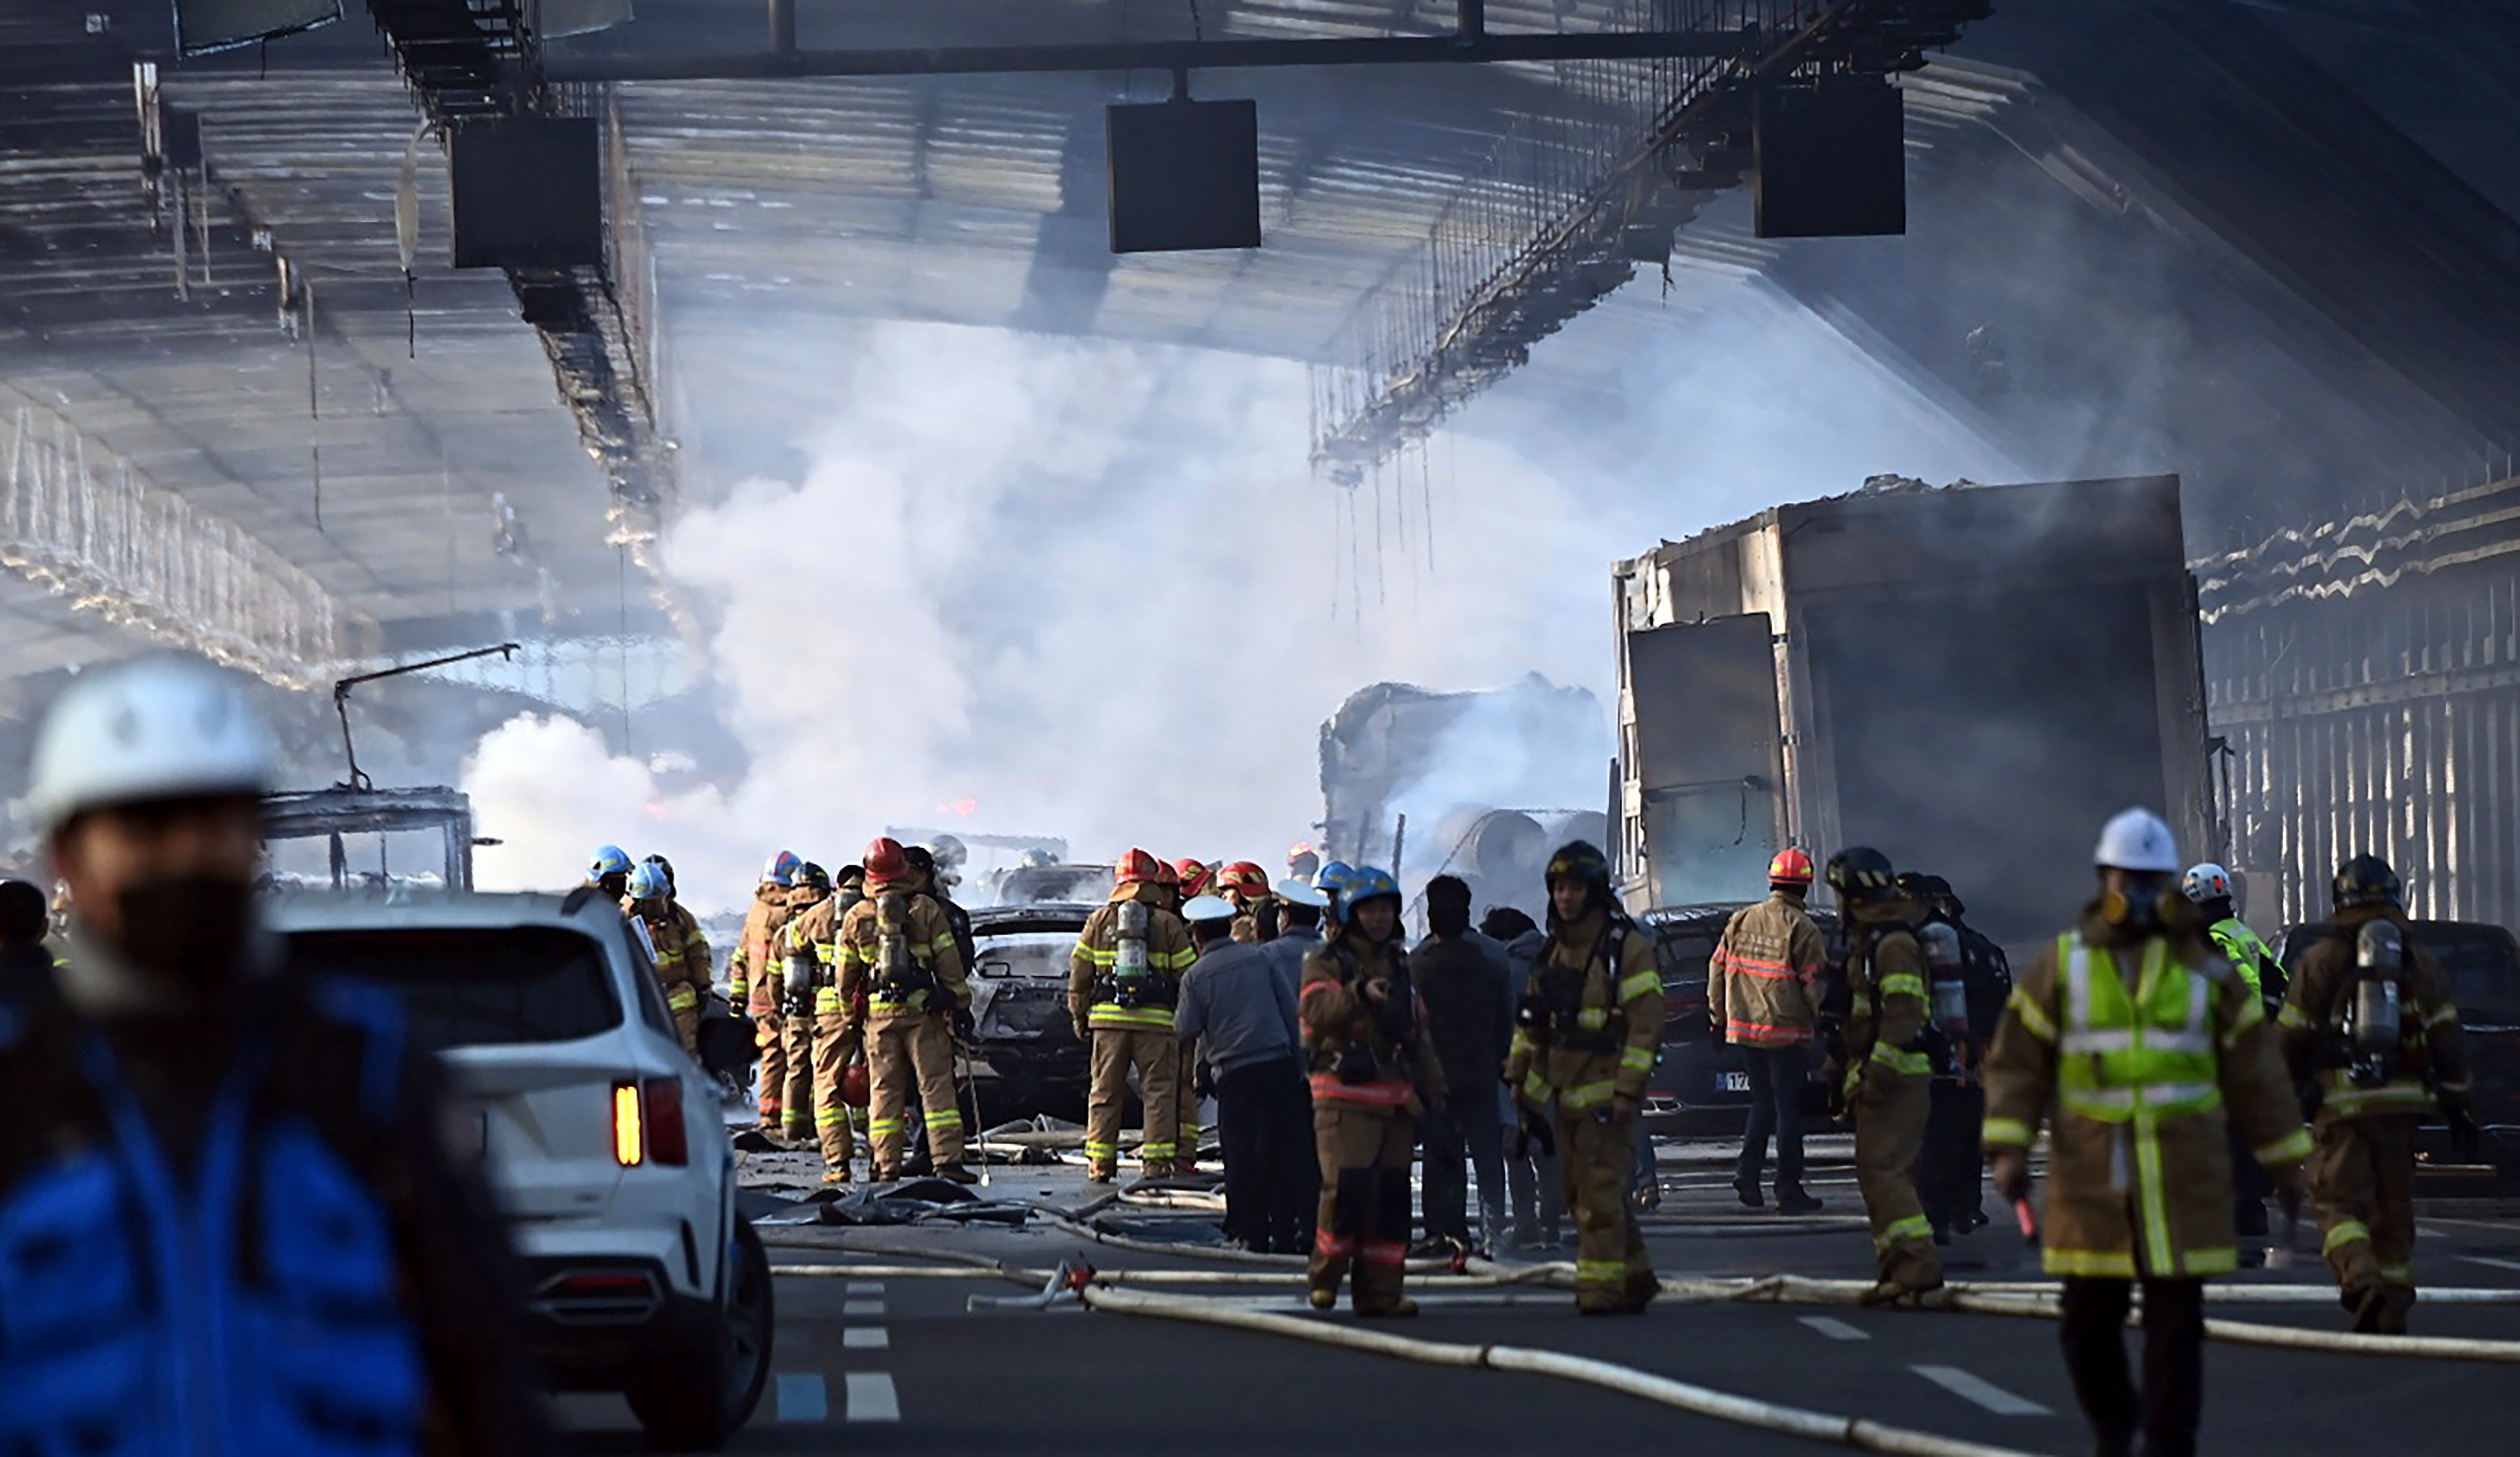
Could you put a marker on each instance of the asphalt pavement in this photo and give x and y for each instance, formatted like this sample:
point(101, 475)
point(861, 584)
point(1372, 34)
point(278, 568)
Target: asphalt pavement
point(888, 1363)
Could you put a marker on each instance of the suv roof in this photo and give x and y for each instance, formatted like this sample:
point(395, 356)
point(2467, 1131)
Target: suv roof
point(361, 908)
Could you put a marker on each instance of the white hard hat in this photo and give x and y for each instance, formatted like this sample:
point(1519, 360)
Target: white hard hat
point(1300, 893)
point(2207, 882)
point(158, 728)
point(1209, 908)
point(2137, 839)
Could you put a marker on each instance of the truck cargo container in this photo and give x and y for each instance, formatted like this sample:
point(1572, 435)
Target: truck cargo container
point(1969, 678)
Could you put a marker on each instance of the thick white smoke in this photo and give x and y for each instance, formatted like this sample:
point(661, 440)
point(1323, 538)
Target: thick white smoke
point(1047, 586)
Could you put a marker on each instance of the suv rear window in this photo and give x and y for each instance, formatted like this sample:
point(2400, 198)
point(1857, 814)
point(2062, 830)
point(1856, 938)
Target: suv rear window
point(473, 986)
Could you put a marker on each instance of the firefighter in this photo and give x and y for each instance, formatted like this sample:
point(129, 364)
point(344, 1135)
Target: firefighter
point(2372, 1039)
point(1189, 880)
point(794, 996)
point(753, 979)
point(838, 1039)
point(1373, 1072)
point(1255, 911)
point(681, 954)
point(1123, 981)
point(1888, 1077)
point(2209, 888)
point(1763, 997)
point(1585, 1036)
point(609, 870)
point(1967, 982)
point(2142, 1041)
point(898, 947)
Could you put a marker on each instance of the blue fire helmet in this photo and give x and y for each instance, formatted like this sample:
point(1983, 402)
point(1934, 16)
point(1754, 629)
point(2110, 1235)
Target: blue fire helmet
point(782, 869)
point(649, 883)
point(1362, 884)
point(607, 859)
point(1333, 875)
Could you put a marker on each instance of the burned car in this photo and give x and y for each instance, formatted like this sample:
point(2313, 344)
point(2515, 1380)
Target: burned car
point(1030, 1061)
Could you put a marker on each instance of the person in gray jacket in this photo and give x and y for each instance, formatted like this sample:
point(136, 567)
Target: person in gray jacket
point(1242, 1015)
point(1532, 1176)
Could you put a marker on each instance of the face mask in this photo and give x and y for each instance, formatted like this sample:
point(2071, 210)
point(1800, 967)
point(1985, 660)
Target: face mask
point(192, 929)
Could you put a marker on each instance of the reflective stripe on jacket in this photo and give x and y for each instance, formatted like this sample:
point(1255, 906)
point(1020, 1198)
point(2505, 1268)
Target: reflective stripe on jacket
point(1089, 965)
point(1762, 980)
point(2143, 1082)
point(1626, 1008)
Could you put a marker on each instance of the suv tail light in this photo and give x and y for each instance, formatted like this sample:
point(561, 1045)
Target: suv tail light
point(647, 1123)
point(668, 1141)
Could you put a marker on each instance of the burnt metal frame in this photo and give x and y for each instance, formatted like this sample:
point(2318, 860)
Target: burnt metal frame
point(1472, 44)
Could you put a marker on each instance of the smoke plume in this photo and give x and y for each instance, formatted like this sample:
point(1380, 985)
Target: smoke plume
point(1036, 585)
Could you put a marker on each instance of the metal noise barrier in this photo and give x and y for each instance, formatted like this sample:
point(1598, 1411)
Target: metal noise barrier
point(1845, 1431)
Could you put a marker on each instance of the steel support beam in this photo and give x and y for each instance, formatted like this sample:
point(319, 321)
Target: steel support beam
point(1466, 47)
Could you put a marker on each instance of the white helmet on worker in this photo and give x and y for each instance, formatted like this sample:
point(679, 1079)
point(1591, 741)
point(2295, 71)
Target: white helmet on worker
point(2207, 882)
point(2139, 841)
point(156, 728)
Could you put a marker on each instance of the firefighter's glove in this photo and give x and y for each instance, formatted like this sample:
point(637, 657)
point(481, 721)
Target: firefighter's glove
point(1203, 1081)
point(1084, 1030)
point(1624, 1110)
point(2009, 1170)
point(1832, 1079)
point(964, 1024)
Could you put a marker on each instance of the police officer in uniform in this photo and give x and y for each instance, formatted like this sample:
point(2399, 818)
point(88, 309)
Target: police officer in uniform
point(1886, 1077)
point(2140, 1042)
point(1583, 1044)
point(1374, 1073)
point(1123, 981)
point(2374, 1040)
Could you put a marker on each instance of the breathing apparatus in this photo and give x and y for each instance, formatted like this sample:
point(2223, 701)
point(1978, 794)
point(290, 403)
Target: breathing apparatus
point(1947, 973)
point(1130, 970)
point(2374, 1022)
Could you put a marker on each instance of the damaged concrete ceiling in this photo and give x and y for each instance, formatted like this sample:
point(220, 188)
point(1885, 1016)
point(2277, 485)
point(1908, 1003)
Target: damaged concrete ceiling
point(156, 314)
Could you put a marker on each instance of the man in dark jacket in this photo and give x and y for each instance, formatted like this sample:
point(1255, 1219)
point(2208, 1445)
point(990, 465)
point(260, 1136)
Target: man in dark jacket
point(177, 1087)
point(1469, 1006)
point(1533, 1178)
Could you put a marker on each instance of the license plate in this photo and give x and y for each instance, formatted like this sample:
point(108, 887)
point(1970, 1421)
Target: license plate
point(1735, 1082)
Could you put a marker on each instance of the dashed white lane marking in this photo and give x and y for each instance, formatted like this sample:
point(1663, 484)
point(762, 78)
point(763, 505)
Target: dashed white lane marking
point(863, 1288)
point(861, 1308)
point(872, 1397)
point(801, 1397)
point(865, 1338)
point(2488, 1259)
point(1985, 1393)
point(1833, 1327)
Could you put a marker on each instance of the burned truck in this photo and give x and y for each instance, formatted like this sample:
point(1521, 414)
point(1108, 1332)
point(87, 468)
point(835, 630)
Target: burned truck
point(1481, 783)
point(1969, 678)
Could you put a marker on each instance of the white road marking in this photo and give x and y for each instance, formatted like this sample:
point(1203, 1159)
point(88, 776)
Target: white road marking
point(862, 1307)
point(1833, 1327)
point(2488, 1259)
point(872, 1397)
point(1984, 1393)
point(865, 1338)
point(863, 1288)
point(801, 1397)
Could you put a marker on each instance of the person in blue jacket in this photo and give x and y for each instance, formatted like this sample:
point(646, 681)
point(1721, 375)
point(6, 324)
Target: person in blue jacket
point(226, 1222)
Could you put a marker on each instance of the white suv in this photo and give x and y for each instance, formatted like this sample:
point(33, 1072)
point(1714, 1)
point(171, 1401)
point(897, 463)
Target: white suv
point(602, 1140)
